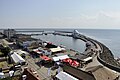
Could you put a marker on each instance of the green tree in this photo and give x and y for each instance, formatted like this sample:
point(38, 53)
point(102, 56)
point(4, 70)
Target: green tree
point(5, 50)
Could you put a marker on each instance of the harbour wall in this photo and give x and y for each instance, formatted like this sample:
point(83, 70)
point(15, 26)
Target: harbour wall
point(104, 56)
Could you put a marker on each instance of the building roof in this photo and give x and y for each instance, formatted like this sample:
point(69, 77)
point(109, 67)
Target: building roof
point(60, 57)
point(30, 75)
point(21, 52)
point(65, 76)
point(17, 58)
point(56, 49)
point(45, 58)
point(81, 75)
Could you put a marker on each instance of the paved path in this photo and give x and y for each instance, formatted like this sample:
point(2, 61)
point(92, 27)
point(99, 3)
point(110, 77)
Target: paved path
point(42, 71)
point(100, 71)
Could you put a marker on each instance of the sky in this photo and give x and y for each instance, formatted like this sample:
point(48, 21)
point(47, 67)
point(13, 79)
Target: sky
point(87, 14)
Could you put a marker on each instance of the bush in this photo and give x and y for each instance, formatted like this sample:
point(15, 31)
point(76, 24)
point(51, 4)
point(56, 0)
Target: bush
point(5, 51)
point(8, 78)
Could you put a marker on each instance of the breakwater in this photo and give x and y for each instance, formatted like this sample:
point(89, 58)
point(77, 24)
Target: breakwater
point(104, 56)
point(107, 58)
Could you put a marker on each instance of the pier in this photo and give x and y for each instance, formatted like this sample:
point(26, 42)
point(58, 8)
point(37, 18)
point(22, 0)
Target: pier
point(42, 32)
point(63, 31)
point(29, 31)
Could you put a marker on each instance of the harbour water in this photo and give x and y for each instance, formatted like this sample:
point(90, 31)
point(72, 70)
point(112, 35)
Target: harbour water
point(108, 37)
point(68, 42)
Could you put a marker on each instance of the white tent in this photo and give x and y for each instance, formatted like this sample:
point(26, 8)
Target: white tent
point(60, 57)
point(57, 49)
point(65, 76)
point(17, 58)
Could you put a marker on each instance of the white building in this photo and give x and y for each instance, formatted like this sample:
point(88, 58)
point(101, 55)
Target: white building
point(75, 34)
point(17, 58)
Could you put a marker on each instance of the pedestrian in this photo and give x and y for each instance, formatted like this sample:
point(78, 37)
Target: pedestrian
point(49, 71)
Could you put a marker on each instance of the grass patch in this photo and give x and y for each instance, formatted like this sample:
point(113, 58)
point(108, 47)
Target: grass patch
point(9, 78)
point(3, 64)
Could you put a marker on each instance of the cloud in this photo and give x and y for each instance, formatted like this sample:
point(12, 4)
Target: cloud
point(108, 19)
point(101, 19)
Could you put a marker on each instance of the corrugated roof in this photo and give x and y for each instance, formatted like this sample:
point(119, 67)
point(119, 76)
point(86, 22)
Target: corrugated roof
point(17, 58)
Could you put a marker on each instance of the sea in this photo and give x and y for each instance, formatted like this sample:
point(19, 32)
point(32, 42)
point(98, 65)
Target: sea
point(109, 37)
